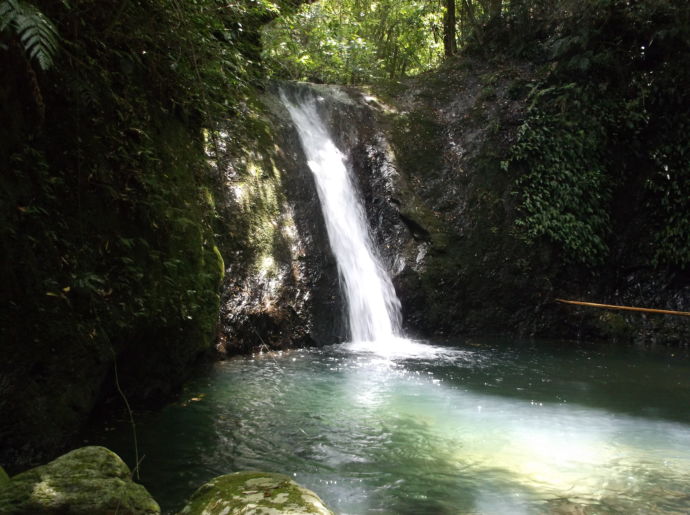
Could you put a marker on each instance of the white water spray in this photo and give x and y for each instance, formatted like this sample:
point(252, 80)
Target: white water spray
point(374, 309)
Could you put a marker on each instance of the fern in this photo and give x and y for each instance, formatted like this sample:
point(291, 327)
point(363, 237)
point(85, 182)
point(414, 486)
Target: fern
point(36, 32)
point(8, 12)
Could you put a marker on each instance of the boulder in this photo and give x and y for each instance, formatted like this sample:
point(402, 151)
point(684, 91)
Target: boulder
point(89, 480)
point(254, 493)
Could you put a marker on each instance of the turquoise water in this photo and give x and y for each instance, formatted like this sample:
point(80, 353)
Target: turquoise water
point(482, 426)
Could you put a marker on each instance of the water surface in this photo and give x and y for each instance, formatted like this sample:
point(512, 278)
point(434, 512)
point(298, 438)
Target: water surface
point(483, 426)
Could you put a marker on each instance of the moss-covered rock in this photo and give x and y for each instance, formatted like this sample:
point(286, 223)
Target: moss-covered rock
point(254, 493)
point(90, 480)
point(4, 478)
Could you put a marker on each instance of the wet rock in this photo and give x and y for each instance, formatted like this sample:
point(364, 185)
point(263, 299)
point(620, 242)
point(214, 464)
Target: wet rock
point(257, 493)
point(442, 212)
point(90, 480)
point(443, 216)
point(281, 288)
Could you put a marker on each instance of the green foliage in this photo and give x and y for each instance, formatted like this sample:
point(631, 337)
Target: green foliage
point(355, 42)
point(36, 32)
point(668, 187)
point(110, 214)
point(565, 190)
point(107, 219)
point(606, 132)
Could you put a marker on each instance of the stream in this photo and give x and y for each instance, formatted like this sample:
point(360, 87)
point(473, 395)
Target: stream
point(483, 426)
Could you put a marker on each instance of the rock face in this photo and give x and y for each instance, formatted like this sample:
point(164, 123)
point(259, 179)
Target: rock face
point(428, 163)
point(472, 270)
point(281, 282)
point(254, 493)
point(90, 480)
point(427, 160)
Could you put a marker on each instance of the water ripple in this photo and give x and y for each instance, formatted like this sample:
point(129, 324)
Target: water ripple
point(482, 427)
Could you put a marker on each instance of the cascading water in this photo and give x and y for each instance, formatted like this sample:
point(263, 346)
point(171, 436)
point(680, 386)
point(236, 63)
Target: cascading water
point(373, 307)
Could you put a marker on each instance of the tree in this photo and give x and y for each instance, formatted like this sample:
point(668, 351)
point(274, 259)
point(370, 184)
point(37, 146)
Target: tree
point(449, 39)
point(351, 41)
point(494, 8)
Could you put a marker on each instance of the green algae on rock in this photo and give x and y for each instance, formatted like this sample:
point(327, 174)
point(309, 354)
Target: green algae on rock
point(89, 480)
point(257, 493)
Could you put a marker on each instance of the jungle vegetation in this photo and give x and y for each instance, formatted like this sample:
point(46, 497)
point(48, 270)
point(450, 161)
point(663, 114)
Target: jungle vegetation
point(607, 121)
point(108, 204)
point(110, 233)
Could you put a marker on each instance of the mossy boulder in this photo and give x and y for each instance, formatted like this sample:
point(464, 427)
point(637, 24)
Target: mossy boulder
point(90, 480)
point(257, 493)
point(4, 478)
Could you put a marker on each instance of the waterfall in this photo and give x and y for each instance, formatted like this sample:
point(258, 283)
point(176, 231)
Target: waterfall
point(373, 307)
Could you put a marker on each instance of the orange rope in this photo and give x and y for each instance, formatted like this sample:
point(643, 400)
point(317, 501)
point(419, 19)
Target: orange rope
point(625, 308)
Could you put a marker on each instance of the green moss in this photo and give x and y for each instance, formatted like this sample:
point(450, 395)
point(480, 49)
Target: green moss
point(4, 478)
point(417, 141)
point(85, 481)
point(264, 227)
point(487, 93)
point(615, 326)
point(220, 262)
point(262, 493)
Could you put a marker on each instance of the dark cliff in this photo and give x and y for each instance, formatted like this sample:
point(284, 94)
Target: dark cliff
point(430, 159)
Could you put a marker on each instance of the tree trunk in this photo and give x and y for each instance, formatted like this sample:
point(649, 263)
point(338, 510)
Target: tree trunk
point(449, 40)
point(495, 9)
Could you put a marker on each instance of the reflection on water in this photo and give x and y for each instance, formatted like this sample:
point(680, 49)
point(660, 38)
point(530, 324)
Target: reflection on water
point(409, 427)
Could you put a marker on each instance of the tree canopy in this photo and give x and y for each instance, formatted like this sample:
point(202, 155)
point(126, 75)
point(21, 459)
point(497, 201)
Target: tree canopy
point(355, 41)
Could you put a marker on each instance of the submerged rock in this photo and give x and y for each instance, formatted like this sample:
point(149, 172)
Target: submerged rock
point(254, 493)
point(90, 480)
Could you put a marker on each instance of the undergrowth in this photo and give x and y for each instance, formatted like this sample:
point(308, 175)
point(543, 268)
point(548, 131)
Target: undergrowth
point(605, 136)
point(107, 203)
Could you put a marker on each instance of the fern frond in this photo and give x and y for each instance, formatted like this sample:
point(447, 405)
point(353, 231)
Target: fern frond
point(9, 11)
point(36, 32)
point(39, 37)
